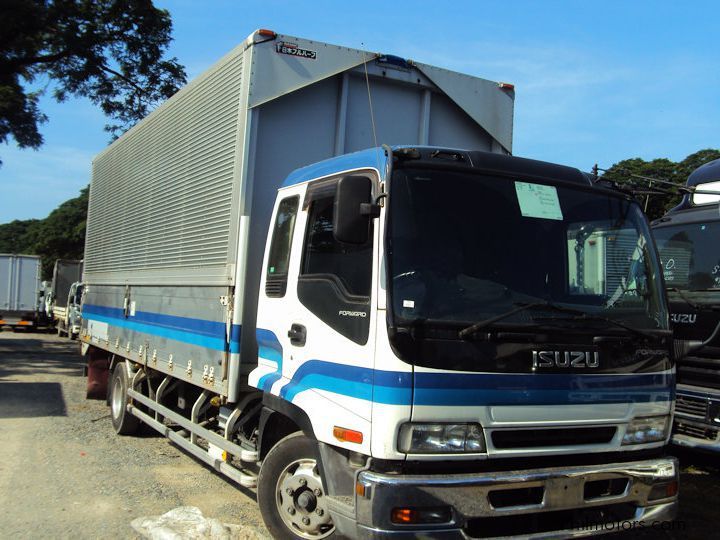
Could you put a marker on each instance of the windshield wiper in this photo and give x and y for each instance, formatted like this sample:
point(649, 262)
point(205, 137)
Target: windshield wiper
point(470, 330)
point(588, 317)
point(579, 316)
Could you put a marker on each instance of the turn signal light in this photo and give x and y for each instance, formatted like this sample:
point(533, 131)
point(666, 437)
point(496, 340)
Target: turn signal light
point(412, 516)
point(347, 435)
point(663, 491)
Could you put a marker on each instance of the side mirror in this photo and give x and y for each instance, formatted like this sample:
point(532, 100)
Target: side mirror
point(351, 222)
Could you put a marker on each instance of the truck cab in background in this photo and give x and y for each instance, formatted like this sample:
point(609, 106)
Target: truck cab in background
point(74, 310)
point(687, 238)
point(66, 274)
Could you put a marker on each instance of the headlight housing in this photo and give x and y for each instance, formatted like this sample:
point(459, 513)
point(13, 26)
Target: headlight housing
point(646, 430)
point(441, 438)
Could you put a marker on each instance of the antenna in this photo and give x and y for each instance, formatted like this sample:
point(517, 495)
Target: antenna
point(372, 114)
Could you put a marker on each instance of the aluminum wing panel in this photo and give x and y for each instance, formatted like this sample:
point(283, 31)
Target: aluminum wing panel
point(485, 102)
point(276, 71)
point(161, 196)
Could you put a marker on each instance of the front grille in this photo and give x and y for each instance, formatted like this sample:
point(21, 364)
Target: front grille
point(691, 406)
point(584, 519)
point(703, 372)
point(535, 438)
point(699, 432)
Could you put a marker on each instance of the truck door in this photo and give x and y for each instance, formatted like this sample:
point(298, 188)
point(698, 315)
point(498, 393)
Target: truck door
point(323, 323)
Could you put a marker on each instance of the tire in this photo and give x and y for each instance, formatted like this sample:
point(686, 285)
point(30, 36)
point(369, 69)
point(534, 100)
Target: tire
point(290, 491)
point(123, 421)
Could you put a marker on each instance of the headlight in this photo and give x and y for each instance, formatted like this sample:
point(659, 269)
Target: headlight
point(646, 430)
point(441, 438)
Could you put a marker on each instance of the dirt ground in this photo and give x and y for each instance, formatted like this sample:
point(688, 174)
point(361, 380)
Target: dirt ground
point(64, 473)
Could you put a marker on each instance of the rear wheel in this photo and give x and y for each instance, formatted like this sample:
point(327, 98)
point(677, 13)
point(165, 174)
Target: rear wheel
point(123, 421)
point(290, 493)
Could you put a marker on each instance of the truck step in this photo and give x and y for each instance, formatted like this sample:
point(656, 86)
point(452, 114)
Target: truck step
point(245, 478)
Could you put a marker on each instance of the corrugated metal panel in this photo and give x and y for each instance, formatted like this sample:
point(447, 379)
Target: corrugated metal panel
point(162, 194)
point(619, 249)
point(19, 282)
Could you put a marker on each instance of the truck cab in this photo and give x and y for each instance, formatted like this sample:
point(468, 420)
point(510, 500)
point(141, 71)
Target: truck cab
point(486, 335)
point(74, 310)
point(687, 238)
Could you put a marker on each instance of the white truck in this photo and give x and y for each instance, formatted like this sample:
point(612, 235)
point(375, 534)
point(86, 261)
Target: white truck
point(383, 342)
point(19, 290)
point(66, 273)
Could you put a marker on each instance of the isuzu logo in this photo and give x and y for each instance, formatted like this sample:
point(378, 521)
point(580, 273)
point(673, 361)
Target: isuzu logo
point(684, 318)
point(566, 359)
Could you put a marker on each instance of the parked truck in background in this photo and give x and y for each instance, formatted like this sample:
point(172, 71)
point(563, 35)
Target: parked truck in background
point(74, 309)
point(399, 341)
point(19, 290)
point(66, 272)
point(688, 238)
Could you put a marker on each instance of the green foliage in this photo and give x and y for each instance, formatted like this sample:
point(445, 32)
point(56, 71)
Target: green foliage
point(61, 235)
point(662, 169)
point(109, 51)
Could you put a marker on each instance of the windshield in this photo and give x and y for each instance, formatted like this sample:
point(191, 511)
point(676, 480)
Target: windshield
point(466, 247)
point(690, 255)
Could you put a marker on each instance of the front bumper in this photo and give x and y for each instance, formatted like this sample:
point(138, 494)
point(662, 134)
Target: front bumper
point(542, 503)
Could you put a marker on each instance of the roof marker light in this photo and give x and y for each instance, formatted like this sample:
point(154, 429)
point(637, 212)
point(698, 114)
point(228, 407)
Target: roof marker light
point(506, 86)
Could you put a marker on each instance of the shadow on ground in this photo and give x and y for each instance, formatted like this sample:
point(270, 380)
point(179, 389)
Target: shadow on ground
point(31, 399)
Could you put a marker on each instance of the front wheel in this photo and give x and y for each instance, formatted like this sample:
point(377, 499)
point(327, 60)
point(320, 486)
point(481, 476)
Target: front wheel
point(290, 492)
point(122, 420)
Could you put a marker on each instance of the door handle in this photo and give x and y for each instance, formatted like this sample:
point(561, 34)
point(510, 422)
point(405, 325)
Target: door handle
point(297, 335)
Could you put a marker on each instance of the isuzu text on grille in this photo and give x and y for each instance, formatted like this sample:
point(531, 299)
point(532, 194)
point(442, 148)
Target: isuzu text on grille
point(566, 359)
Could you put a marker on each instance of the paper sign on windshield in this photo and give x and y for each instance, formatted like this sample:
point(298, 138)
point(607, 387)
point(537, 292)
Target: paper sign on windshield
point(538, 201)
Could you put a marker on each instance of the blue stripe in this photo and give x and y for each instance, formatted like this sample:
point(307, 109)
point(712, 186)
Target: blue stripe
point(200, 332)
point(462, 389)
point(269, 347)
point(372, 157)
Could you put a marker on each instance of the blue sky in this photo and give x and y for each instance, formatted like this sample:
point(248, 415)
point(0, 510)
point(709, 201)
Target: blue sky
point(595, 82)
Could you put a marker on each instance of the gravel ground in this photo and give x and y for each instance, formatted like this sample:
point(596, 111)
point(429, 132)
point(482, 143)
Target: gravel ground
point(64, 473)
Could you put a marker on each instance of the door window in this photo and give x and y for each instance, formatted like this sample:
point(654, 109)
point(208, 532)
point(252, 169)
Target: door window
point(335, 277)
point(279, 259)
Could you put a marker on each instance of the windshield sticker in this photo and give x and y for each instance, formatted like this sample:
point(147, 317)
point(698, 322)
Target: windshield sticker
point(538, 201)
point(409, 304)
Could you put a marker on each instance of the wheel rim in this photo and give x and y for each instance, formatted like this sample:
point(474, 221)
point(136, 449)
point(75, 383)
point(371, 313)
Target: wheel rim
point(117, 398)
point(301, 501)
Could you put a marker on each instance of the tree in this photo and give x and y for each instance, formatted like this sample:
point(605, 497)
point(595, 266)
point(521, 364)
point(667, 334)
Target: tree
point(662, 169)
point(61, 235)
point(13, 236)
point(109, 51)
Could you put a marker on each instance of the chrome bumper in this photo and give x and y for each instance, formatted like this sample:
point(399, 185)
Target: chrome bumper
point(563, 493)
